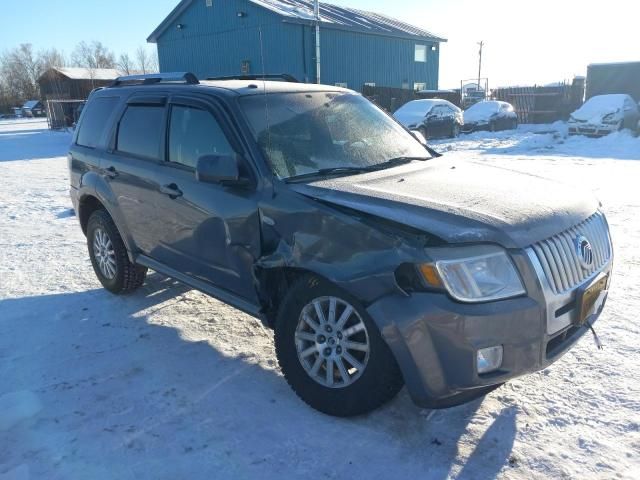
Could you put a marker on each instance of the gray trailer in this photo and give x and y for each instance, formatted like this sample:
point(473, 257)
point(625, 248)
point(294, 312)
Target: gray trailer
point(605, 78)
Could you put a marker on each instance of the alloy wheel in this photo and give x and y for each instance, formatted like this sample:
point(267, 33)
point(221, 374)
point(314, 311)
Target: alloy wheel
point(332, 342)
point(104, 254)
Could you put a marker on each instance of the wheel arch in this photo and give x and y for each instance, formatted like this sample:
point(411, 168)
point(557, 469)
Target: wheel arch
point(90, 203)
point(273, 285)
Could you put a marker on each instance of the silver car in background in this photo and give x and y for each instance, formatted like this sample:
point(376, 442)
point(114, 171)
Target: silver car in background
point(603, 114)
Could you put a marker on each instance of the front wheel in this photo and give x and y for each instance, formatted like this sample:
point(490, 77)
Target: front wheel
point(331, 352)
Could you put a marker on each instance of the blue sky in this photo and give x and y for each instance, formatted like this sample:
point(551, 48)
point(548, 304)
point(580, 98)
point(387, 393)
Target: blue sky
point(527, 42)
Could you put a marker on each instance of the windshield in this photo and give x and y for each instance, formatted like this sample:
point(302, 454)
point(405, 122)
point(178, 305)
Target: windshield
point(310, 132)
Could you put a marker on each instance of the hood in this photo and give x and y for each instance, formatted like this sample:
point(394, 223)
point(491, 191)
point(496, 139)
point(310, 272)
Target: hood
point(461, 201)
point(415, 111)
point(409, 118)
point(599, 107)
point(480, 112)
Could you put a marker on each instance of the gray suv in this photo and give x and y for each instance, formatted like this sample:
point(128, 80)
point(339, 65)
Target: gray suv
point(377, 262)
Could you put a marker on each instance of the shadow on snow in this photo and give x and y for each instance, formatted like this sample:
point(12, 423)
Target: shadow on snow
point(122, 397)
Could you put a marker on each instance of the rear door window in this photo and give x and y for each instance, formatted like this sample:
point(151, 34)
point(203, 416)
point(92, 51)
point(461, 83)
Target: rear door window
point(95, 119)
point(140, 131)
point(194, 133)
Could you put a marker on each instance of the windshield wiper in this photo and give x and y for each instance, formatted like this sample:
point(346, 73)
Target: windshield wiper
point(323, 172)
point(395, 162)
point(348, 170)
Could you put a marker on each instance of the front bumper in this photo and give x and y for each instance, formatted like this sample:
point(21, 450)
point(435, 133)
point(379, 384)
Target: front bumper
point(435, 340)
point(474, 127)
point(591, 130)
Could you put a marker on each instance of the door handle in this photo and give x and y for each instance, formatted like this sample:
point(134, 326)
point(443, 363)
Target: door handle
point(172, 190)
point(111, 172)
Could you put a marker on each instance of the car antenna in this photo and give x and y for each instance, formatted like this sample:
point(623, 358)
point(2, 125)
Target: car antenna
point(264, 89)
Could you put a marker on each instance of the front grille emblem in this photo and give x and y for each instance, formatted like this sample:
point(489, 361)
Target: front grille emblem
point(584, 251)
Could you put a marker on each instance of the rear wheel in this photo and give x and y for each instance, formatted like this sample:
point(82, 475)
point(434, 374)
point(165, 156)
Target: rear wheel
point(109, 256)
point(331, 352)
point(423, 131)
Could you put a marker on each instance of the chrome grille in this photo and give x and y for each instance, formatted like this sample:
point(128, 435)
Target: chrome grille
point(558, 255)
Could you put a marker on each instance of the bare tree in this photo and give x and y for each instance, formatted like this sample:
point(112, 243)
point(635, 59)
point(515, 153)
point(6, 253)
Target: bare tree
point(93, 55)
point(125, 64)
point(142, 58)
point(51, 58)
point(154, 63)
point(20, 69)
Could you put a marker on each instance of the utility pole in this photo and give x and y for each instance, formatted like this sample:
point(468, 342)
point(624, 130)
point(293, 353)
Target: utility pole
point(480, 65)
point(316, 9)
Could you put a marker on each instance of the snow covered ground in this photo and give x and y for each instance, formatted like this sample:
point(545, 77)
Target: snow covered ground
point(170, 384)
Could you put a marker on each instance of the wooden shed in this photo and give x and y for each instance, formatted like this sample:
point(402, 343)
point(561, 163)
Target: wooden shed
point(61, 83)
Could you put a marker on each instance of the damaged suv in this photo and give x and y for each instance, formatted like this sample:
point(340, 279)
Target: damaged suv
point(377, 263)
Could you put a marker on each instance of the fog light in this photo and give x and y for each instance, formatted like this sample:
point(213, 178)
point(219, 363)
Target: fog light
point(489, 359)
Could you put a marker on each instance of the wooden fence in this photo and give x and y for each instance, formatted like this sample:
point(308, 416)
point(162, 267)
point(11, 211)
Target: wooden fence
point(543, 104)
point(391, 99)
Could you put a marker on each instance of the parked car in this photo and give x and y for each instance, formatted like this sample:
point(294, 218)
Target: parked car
point(432, 117)
point(8, 116)
point(491, 115)
point(376, 261)
point(603, 114)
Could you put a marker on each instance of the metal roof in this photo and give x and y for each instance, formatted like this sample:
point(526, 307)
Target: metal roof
point(76, 73)
point(331, 16)
point(30, 104)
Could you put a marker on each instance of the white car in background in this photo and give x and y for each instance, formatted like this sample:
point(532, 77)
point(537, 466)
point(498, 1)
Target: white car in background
point(431, 117)
point(603, 114)
point(492, 115)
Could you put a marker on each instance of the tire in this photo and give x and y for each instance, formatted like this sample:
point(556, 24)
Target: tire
point(423, 131)
point(455, 131)
point(377, 381)
point(117, 274)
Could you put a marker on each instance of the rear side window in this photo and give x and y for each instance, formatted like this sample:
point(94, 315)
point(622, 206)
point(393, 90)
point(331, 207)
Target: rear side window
point(140, 131)
point(194, 133)
point(94, 121)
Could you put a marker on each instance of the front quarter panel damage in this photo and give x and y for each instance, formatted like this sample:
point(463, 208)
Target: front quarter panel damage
point(303, 234)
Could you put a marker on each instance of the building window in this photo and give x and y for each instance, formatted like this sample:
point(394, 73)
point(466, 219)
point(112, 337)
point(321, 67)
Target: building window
point(421, 53)
point(369, 84)
point(341, 84)
point(418, 86)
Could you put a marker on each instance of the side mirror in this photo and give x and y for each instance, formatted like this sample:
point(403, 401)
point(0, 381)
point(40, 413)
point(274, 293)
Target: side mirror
point(221, 169)
point(419, 136)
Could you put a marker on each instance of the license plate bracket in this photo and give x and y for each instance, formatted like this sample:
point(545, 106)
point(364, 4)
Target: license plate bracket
point(590, 296)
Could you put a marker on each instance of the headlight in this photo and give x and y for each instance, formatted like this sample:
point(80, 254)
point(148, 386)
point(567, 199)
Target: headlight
point(610, 119)
point(490, 275)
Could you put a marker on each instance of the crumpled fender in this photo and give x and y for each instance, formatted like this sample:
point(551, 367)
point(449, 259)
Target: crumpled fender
point(358, 256)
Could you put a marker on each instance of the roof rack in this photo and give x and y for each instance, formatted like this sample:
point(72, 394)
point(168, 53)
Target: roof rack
point(186, 78)
point(283, 77)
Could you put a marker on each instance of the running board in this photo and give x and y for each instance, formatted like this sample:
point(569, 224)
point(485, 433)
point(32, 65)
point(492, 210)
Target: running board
point(217, 293)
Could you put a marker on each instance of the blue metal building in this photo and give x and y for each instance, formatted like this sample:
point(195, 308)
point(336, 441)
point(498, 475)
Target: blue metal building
point(231, 37)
